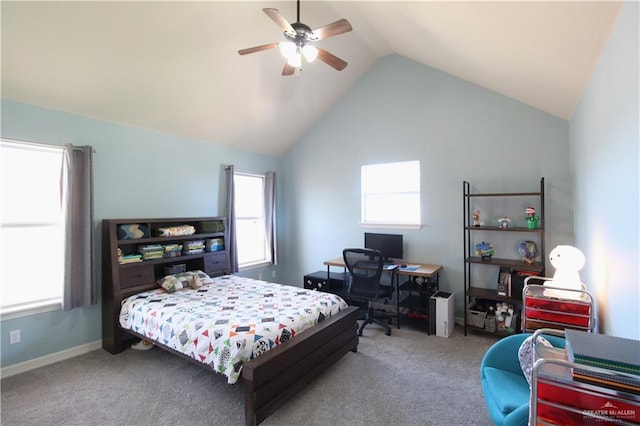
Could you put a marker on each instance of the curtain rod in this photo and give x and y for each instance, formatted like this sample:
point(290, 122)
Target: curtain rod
point(42, 145)
point(246, 172)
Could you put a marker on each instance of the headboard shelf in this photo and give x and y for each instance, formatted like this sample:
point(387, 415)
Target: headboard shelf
point(167, 260)
point(159, 240)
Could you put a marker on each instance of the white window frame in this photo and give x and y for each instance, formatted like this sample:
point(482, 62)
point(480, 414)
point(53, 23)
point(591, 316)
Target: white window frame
point(11, 272)
point(385, 188)
point(260, 219)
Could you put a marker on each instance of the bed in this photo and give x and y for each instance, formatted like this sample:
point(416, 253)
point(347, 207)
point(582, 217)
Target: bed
point(227, 322)
point(275, 338)
point(269, 377)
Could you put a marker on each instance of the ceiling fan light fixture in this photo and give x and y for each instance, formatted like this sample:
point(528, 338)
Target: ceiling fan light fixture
point(287, 48)
point(310, 53)
point(295, 60)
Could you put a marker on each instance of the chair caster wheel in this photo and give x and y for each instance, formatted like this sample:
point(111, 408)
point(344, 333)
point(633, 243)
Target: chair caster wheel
point(388, 333)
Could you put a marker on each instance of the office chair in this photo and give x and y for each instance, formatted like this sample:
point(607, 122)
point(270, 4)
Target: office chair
point(365, 270)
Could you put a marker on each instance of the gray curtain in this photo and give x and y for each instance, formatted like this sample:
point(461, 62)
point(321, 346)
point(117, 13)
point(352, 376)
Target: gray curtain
point(270, 215)
point(231, 245)
point(80, 283)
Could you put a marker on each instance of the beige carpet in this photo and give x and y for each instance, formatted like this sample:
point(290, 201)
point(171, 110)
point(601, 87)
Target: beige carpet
point(407, 378)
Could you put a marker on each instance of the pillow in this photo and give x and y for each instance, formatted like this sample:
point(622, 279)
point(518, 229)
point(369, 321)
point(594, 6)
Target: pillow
point(184, 280)
point(173, 231)
point(206, 279)
point(132, 231)
point(170, 283)
point(526, 355)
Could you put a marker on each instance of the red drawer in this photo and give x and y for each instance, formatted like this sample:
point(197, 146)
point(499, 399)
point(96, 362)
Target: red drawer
point(559, 306)
point(569, 404)
point(559, 317)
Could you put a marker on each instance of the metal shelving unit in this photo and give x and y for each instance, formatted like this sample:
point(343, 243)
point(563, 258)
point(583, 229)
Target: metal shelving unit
point(473, 290)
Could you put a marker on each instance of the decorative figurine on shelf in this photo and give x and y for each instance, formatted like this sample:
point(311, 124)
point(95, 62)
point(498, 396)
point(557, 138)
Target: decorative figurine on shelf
point(532, 218)
point(567, 260)
point(504, 222)
point(529, 251)
point(475, 216)
point(485, 251)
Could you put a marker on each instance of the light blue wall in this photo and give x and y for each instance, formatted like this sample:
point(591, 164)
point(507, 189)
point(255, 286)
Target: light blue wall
point(604, 137)
point(401, 110)
point(137, 173)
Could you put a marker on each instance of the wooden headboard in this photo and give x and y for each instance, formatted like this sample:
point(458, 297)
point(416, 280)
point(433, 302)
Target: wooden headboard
point(124, 274)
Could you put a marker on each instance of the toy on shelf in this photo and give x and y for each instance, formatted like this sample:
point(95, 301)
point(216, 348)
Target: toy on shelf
point(532, 218)
point(475, 217)
point(485, 251)
point(504, 222)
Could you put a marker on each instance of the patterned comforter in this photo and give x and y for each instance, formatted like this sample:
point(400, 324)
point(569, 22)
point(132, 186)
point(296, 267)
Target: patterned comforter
point(229, 322)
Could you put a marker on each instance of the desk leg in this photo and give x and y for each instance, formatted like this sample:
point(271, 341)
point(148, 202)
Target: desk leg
point(397, 282)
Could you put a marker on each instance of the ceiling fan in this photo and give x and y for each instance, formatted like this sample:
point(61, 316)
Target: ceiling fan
point(300, 41)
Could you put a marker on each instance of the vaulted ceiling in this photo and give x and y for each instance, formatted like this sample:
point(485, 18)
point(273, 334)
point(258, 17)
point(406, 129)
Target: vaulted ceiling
point(173, 66)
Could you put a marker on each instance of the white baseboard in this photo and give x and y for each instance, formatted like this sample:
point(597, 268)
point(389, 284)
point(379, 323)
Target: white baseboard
point(32, 364)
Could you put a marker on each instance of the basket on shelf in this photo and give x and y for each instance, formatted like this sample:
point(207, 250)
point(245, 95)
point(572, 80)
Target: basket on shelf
point(475, 318)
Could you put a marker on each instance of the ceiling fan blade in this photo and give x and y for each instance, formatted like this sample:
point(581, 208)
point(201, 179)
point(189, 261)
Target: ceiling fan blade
point(288, 69)
point(331, 59)
point(257, 48)
point(330, 30)
point(275, 16)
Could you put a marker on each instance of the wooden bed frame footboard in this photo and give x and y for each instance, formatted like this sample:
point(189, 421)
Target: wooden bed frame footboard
point(274, 377)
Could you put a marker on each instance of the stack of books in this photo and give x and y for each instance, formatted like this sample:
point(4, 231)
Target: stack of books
point(172, 250)
point(130, 258)
point(193, 247)
point(151, 251)
point(616, 354)
point(215, 244)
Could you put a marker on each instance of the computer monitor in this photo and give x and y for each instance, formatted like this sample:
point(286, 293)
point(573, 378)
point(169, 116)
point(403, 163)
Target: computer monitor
point(389, 244)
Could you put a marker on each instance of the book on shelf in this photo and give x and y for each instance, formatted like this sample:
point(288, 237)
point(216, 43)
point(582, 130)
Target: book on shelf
point(616, 354)
point(130, 258)
point(504, 282)
point(153, 255)
point(149, 248)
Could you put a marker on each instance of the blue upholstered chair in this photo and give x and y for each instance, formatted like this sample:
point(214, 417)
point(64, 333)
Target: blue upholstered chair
point(504, 387)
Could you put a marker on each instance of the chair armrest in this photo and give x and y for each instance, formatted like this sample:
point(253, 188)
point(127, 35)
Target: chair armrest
point(504, 354)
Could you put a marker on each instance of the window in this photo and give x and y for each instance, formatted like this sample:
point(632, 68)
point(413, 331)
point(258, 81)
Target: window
point(32, 229)
point(250, 219)
point(391, 194)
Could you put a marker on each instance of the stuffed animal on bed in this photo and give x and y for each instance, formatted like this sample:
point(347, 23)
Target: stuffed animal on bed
point(568, 261)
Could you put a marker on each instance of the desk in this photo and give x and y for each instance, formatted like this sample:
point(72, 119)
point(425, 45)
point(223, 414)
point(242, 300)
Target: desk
point(421, 280)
